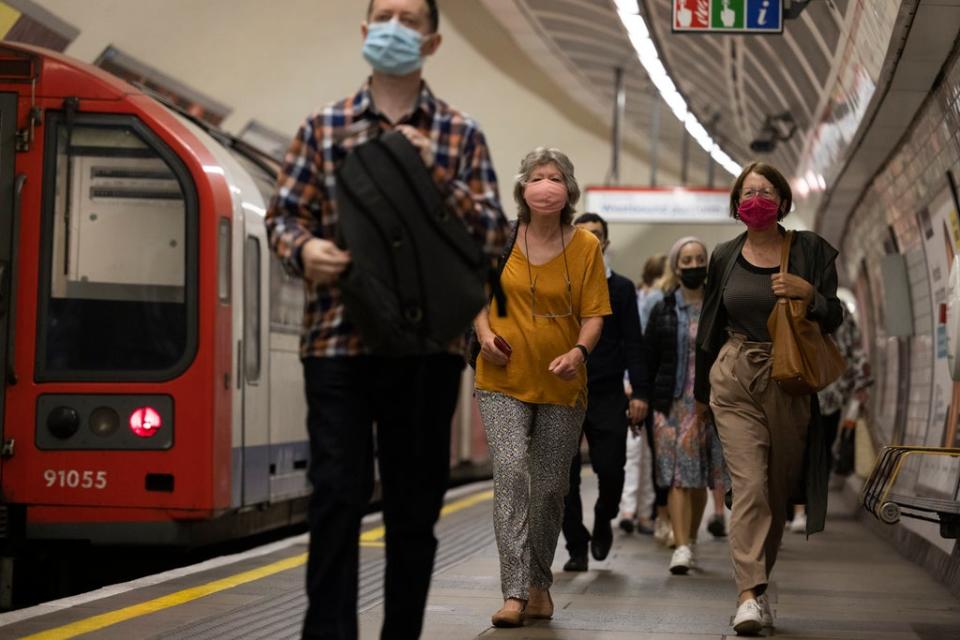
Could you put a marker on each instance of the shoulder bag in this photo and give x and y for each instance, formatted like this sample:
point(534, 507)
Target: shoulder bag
point(804, 360)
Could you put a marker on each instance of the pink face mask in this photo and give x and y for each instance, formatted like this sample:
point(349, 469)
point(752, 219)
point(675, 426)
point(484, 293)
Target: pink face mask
point(545, 196)
point(758, 212)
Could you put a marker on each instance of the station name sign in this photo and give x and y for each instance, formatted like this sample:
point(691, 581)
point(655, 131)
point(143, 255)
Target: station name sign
point(728, 16)
point(679, 205)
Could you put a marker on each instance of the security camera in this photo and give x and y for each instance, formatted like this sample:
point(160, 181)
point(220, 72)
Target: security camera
point(775, 128)
point(765, 142)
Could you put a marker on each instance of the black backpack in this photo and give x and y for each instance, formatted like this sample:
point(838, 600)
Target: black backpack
point(416, 277)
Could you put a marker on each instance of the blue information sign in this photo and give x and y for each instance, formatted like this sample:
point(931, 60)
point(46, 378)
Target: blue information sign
point(764, 15)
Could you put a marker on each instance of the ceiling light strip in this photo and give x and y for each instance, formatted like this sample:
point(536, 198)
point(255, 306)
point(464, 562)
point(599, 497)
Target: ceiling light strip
point(647, 52)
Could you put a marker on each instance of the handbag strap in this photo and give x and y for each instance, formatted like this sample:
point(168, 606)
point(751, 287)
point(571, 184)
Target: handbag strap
point(785, 253)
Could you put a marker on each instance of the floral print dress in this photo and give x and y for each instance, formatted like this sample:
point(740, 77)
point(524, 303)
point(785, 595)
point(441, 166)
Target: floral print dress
point(688, 455)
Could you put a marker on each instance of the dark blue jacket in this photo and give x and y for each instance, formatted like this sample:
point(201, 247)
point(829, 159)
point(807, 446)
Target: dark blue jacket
point(620, 346)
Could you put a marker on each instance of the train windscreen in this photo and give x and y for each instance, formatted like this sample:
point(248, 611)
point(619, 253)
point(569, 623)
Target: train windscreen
point(117, 284)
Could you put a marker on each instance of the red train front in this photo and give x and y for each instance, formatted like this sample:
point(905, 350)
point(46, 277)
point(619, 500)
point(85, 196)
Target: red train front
point(129, 362)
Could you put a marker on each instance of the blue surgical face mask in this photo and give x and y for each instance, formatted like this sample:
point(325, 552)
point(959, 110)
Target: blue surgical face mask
point(392, 48)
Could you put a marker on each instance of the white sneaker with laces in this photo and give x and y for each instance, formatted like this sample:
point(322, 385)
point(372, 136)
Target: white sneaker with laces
point(766, 613)
point(681, 560)
point(749, 618)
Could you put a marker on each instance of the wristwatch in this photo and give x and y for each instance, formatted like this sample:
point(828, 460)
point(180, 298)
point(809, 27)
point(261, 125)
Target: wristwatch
point(583, 350)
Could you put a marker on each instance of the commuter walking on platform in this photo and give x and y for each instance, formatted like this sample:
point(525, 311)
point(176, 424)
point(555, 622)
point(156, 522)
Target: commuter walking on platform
point(767, 435)
point(608, 413)
point(640, 494)
point(687, 452)
point(531, 379)
point(411, 399)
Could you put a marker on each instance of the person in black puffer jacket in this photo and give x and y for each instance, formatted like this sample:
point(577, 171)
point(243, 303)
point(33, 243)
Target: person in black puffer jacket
point(688, 454)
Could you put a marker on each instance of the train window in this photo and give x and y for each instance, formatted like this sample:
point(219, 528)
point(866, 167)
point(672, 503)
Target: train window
point(251, 309)
point(223, 260)
point(119, 264)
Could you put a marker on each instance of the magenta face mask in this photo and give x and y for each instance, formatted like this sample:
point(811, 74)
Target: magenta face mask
point(758, 212)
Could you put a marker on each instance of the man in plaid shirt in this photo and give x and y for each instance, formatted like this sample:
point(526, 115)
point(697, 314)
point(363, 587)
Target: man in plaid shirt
point(410, 399)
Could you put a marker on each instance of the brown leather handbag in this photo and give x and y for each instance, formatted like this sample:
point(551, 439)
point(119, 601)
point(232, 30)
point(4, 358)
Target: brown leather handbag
point(804, 360)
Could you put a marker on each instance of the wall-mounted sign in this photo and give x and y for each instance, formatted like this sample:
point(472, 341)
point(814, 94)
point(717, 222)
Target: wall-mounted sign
point(629, 204)
point(728, 16)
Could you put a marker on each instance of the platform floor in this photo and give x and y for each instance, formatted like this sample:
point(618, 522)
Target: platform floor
point(843, 584)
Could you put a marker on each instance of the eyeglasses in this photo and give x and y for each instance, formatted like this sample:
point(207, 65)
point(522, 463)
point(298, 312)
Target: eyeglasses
point(768, 194)
point(533, 283)
point(533, 300)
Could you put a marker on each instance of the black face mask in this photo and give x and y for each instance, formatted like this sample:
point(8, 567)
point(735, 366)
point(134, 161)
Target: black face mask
point(693, 277)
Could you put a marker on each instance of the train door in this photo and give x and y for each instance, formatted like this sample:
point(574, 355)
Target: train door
point(9, 212)
point(256, 438)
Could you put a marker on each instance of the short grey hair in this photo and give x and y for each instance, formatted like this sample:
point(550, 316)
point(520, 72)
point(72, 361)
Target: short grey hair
point(537, 158)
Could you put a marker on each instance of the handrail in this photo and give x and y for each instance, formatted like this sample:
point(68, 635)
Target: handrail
point(879, 499)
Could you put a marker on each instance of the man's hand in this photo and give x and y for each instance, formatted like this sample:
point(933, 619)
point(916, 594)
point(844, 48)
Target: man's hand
point(636, 411)
point(323, 261)
point(565, 367)
point(420, 141)
point(787, 285)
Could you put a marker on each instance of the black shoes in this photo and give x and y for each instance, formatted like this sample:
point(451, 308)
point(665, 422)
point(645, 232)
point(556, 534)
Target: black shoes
point(716, 526)
point(602, 539)
point(627, 525)
point(576, 563)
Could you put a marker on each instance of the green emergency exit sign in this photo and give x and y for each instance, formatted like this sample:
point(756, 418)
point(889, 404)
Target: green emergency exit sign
point(728, 16)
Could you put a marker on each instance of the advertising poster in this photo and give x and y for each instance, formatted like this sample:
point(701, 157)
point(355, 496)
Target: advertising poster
point(940, 229)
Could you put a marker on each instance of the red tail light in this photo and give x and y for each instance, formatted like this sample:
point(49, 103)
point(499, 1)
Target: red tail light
point(145, 422)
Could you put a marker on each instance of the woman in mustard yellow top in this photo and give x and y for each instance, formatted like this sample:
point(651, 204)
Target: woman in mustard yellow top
point(531, 380)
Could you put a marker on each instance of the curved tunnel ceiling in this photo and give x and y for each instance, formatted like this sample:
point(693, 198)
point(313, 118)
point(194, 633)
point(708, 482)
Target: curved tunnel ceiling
point(732, 83)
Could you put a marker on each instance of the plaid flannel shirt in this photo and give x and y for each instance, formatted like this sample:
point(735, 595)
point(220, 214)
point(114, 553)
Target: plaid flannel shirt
point(304, 205)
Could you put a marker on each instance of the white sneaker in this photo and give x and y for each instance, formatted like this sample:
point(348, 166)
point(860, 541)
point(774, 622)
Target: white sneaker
point(660, 530)
point(799, 523)
point(749, 618)
point(693, 554)
point(681, 560)
point(766, 614)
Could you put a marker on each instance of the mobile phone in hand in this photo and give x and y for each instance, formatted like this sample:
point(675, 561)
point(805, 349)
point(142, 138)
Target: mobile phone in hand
point(503, 345)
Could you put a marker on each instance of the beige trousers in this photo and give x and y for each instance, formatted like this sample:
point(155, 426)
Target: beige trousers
point(763, 432)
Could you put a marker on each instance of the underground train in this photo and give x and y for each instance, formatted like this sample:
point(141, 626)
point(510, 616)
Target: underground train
point(151, 386)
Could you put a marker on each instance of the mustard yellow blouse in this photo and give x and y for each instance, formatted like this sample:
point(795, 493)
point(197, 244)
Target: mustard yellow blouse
point(545, 323)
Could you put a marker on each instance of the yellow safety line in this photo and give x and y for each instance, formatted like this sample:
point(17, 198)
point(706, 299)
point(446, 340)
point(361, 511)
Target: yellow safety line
point(371, 538)
point(180, 597)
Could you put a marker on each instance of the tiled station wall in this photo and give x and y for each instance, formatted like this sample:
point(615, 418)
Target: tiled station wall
point(887, 219)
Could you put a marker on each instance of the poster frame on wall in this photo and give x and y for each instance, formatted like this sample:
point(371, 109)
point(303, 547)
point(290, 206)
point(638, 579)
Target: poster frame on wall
point(939, 227)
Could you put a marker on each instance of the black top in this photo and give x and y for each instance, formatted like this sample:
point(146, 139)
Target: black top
point(619, 347)
point(748, 299)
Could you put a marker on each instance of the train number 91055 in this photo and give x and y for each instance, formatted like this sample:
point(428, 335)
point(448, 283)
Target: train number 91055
point(73, 479)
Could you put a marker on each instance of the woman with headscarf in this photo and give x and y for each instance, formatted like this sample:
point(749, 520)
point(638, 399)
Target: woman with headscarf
point(687, 453)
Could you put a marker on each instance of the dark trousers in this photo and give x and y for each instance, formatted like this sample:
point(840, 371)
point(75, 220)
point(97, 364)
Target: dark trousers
point(605, 428)
point(412, 401)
